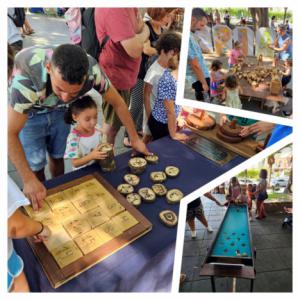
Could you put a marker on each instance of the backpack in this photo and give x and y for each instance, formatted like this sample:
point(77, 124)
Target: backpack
point(19, 17)
point(89, 39)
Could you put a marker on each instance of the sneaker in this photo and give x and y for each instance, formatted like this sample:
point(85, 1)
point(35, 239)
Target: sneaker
point(193, 234)
point(209, 229)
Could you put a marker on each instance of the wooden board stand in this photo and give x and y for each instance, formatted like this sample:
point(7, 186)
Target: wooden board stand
point(59, 275)
point(246, 148)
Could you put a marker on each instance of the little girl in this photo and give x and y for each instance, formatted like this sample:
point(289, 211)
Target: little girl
point(251, 196)
point(162, 121)
point(216, 79)
point(234, 191)
point(235, 54)
point(261, 194)
point(84, 139)
point(232, 98)
point(287, 74)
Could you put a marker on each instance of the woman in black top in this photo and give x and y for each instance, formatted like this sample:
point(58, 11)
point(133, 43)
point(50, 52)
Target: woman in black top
point(158, 20)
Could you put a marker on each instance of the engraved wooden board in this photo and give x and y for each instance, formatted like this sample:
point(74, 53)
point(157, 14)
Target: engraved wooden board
point(89, 221)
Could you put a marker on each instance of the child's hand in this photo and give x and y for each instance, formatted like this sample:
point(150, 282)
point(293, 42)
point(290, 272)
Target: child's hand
point(180, 136)
point(97, 154)
point(43, 236)
point(181, 123)
point(223, 120)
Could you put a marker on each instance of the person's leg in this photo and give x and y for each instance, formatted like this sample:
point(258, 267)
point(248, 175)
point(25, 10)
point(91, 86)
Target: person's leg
point(263, 212)
point(33, 139)
point(56, 166)
point(27, 27)
point(258, 209)
point(191, 222)
point(197, 86)
point(158, 129)
point(135, 108)
point(201, 217)
point(190, 219)
point(57, 132)
point(112, 123)
point(20, 284)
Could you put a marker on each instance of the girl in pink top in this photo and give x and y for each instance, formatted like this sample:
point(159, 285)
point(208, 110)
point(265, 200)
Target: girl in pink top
point(235, 54)
point(234, 191)
point(216, 79)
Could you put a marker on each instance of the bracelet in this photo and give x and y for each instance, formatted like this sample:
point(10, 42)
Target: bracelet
point(41, 229)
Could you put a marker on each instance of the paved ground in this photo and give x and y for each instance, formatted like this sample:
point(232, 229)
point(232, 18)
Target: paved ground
point(53, 31)
point(273, 262)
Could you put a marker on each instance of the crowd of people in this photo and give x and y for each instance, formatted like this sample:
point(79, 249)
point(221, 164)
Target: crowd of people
point(215, 86)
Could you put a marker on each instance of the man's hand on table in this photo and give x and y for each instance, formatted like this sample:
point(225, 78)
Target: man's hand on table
point(140, 147)
point(257, 128)
point(35, 191)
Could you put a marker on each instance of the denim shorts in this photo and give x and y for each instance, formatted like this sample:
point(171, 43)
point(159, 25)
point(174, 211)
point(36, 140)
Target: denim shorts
point(42, 133)
point(15, 267)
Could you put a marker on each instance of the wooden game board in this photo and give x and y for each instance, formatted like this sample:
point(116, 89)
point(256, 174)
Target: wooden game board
point(89, 221)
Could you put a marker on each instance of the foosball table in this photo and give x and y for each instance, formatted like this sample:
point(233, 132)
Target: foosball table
point(231, 253)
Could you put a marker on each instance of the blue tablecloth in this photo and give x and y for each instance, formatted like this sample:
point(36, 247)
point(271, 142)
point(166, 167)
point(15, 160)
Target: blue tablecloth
point(146, 265)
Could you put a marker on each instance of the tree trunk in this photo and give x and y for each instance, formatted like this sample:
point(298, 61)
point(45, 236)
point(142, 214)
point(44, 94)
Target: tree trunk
point(284, 16)
point(289, 187)
point(260, 17)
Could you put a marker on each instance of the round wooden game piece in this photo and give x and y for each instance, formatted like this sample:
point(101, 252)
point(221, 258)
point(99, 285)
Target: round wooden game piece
point(135, 199)
point(168, 218)
point(125, 188)
point(152, 159)
point(228, 139)
point(147, 195)
point(137, 165)
point(132, 179)
point(158, 176)
point(244, 254)
point(231, 129)
point(174, 196)
point(172, 171)
point(159, 189)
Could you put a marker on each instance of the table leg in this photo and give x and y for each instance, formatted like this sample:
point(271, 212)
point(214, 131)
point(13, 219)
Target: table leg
point(252, 285)
point(213, 285)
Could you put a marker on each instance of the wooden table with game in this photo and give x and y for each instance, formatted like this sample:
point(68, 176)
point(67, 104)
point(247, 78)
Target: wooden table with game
point(259, 80)
point(231, 253)
point(115, 232)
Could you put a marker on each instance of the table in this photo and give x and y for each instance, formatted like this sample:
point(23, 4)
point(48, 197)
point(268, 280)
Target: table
point(246, 148)
point(231, 253)
point(146, 265)
point(260, 93)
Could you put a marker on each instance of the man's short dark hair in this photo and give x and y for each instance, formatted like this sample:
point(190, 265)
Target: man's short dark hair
point(199, 13)
point(72, 63)
point(169, 41)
